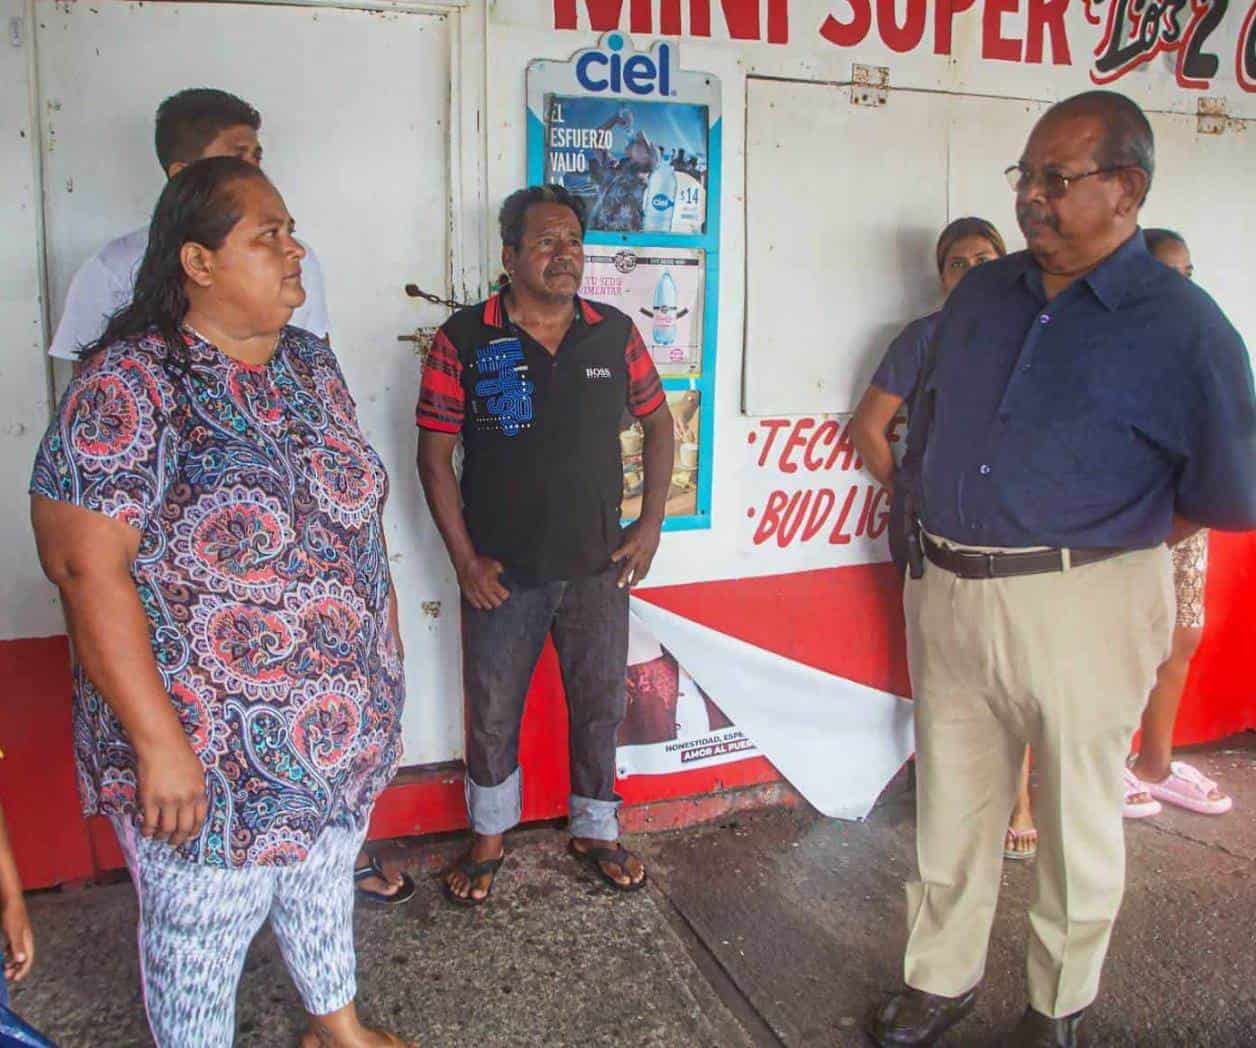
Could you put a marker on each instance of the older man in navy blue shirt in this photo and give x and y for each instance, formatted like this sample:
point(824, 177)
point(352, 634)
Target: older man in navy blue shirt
point(1082, 405)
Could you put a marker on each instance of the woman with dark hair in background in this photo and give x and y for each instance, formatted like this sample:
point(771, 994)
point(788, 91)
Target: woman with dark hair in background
point(1154, 775)
point(963, 244)
point(211, 512)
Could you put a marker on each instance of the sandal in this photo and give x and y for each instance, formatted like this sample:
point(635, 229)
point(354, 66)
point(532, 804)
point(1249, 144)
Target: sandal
point(1013, 837)
point(617, 854)
point(472, 870)
point(404, 892)
point(1132, 809)
point(1189, 788)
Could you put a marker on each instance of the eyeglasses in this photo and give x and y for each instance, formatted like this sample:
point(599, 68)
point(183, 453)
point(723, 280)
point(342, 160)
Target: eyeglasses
point(1054, 184)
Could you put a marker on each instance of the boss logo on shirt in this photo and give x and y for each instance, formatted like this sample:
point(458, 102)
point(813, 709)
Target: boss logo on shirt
point(597, 373)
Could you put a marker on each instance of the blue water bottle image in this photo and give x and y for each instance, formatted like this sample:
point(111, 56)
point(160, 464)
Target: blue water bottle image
point(660, 197)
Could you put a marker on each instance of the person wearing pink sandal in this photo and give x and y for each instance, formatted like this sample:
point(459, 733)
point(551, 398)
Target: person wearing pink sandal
point(1020, 841)
point(1154, 776)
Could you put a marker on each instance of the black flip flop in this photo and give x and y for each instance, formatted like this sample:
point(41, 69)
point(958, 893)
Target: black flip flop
point(471, 870)
point(404, 892)
point(619, 855)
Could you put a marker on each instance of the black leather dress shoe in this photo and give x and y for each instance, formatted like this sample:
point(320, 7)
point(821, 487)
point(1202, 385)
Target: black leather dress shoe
point(914, 1017)
point(1036, 1030)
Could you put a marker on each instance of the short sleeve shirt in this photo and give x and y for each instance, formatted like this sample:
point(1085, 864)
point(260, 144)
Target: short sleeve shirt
point(262, 574)
point(542, 477)
point(106, 282)
point(900, 367)
point(1087, 420)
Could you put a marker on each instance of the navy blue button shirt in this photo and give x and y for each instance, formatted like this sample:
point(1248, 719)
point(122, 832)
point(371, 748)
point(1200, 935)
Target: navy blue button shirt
point(1089, 420)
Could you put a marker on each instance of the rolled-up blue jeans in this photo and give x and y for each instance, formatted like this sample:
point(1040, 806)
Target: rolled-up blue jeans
point(588, 618)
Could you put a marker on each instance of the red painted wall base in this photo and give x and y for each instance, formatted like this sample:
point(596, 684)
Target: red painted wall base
point(54, 843)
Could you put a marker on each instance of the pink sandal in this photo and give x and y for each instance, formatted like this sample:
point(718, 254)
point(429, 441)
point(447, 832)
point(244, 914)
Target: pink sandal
point(1137, 809)
point(1013, 837)
point(1188, 788)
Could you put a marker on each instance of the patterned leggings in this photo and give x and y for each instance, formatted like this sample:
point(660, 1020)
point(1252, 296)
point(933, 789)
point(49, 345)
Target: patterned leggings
point(196, 923)
point(1190, 563)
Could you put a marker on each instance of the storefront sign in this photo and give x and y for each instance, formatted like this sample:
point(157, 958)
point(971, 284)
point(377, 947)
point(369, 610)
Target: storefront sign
point(806, 487)
point(1212, 42)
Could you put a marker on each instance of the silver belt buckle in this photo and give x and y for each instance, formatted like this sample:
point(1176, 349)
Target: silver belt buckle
point(990, 566)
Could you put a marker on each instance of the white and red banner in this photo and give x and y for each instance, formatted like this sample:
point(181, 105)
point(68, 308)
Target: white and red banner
point(838, 742)
point(671, 724)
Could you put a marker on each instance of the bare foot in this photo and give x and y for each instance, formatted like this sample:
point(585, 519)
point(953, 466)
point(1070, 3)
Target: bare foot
point(343, 1029)
point(634, 872)
point(367, 1037)
point(483, 848)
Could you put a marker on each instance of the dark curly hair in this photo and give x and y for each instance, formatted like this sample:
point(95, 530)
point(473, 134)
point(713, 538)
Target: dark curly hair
point(514, 212)
point(199, 205)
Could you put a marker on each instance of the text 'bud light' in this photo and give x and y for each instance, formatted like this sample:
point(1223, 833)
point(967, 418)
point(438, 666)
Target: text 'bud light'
point(638, 74)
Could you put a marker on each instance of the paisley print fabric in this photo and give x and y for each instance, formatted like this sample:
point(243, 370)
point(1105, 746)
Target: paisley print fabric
point(1190, 564)
point(263, 577)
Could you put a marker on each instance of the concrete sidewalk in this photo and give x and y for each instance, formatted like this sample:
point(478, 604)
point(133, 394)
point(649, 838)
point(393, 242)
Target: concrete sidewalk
point(776, 928)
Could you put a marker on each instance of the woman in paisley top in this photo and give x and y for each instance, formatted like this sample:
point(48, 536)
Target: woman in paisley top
point(211, 512)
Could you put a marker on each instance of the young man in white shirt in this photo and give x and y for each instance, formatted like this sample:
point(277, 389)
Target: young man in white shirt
point(191, 125)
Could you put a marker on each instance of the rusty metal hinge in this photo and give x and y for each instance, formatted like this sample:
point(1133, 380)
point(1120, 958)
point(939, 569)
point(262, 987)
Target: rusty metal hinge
point(869, 85)
point(1212, 118)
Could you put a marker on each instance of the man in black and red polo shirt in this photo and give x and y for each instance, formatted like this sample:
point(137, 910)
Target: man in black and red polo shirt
point(535, 381)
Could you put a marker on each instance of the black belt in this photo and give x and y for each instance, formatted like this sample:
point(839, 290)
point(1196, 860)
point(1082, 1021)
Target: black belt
point(969, 564)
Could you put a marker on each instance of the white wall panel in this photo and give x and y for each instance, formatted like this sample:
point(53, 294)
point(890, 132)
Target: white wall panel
point(27, 604)
point(843, 205)
point(355, 125)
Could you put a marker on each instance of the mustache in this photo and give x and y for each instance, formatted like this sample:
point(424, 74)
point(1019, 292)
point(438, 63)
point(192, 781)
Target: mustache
point(1029, 214)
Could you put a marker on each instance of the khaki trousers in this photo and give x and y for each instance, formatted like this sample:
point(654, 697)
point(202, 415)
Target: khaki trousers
point(1062, 662)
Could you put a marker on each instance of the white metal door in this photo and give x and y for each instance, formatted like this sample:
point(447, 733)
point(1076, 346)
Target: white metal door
point(355, 123)
point(843, 205)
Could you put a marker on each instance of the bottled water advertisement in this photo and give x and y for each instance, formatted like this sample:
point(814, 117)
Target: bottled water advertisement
point(637, 137)
point(682, 494)
point(662, 290)
point(641, 167)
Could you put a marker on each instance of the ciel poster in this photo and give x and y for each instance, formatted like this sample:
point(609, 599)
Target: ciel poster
point(640, 167)
point(661, 289)
point(639, 140)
